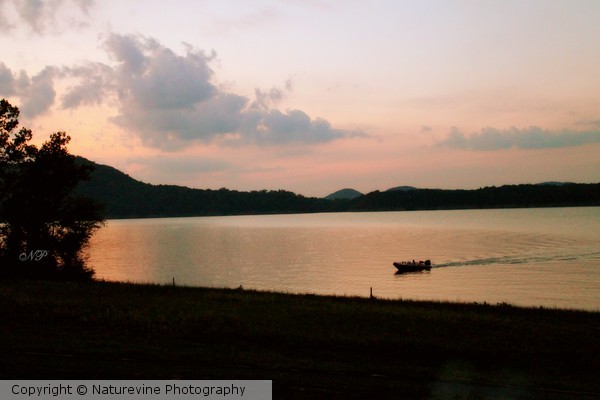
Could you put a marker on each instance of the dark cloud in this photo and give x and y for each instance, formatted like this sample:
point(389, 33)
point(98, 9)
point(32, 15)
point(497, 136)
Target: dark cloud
point(528, 138)
point(171, 100)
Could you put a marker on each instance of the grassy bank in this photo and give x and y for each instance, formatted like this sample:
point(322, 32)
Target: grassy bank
point(310, 346)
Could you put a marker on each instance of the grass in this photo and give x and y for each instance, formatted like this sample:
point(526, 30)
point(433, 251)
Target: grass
point(310, 346)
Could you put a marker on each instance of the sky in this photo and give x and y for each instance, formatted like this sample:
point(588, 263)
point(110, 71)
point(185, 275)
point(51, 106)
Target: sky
point(313, 96)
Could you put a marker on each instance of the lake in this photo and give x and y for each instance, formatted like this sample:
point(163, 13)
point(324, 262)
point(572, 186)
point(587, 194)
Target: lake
point(534, 257)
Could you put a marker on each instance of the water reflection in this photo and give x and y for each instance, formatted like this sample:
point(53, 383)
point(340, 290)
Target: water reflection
point(481, 255)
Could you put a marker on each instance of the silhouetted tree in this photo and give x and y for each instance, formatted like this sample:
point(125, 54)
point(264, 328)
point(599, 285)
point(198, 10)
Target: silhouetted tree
point(44, 226)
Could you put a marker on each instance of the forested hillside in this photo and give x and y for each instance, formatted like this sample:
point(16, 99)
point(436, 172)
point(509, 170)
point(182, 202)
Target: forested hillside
point(125, 197)
point(509, 196)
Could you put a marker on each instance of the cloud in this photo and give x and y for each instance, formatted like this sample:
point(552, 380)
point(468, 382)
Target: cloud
point(274, 127)
point(32, 12)
point(36, 94)
point(95, 84)
point(268, 99)
point(40, 15)
point(171, 100)
point(7, 81)
point(39, 93)
point(171, 129)
point(529, 138)
point(154, 77)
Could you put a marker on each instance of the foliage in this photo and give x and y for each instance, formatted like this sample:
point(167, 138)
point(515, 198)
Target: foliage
point(125, 197)
point(44, 226)
point(508, 196)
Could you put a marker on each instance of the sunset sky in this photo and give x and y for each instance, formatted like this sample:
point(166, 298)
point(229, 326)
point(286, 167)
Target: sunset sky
point(313, 96)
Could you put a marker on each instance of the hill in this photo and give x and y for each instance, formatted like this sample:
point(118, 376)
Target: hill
point(508, 196)
point(125, 197)
point(401, 189)
point(344, 194)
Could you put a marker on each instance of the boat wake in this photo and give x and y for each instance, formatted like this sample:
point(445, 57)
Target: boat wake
point(520, 259)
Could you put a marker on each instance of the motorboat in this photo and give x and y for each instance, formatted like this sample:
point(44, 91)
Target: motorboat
point(413, 266)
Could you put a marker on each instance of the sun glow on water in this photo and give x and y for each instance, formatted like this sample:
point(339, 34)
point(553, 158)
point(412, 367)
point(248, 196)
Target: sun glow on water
point(527, 257)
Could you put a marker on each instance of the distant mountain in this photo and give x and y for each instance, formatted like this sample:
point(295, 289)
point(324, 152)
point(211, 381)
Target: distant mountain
point(125, 197)
point(347, 194)
point(401, 189)
point(507, 196)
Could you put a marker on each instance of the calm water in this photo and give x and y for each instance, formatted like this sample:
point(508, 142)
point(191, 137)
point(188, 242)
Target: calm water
point(548, 257)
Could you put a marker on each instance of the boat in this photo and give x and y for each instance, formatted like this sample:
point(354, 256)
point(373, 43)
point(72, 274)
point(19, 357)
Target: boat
point(412, 266)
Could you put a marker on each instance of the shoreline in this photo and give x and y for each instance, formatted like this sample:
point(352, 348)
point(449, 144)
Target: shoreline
point(372, 296)
point(311, 346)
point(161, 216)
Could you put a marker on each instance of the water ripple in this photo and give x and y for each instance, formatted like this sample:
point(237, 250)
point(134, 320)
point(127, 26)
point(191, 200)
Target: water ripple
point(524, 259)
point(492, 255)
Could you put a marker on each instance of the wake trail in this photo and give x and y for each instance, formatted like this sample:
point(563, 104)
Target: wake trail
point(520, 259)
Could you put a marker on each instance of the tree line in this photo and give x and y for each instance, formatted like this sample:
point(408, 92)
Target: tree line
point(52, 202)
point(125, 197)
point(508, 196)
point(44, 224)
